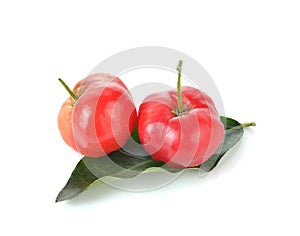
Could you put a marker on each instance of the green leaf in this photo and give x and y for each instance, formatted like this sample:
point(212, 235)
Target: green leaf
point(132, 160)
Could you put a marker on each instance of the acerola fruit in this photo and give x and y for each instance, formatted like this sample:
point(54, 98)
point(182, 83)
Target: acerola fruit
point(181, 128)
point(99, 116)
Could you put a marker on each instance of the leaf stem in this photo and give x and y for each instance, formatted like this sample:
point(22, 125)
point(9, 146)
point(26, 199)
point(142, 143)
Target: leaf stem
point(68, 89)
point(248, 124)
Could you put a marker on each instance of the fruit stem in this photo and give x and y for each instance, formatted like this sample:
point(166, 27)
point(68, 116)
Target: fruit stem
point(68, 89)
point(180, 110)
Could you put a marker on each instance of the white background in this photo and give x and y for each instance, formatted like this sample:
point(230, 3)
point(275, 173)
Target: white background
point(250, 48)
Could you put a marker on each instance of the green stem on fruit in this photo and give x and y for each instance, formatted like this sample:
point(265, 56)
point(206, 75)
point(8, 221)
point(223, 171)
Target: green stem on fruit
point(179, 95)
point(68, 89)
point(180, 109)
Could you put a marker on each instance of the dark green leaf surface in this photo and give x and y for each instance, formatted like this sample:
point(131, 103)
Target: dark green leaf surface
point(133, 159)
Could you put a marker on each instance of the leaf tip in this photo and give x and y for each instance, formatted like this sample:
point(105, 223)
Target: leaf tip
point(65, 194)
point(59, 197)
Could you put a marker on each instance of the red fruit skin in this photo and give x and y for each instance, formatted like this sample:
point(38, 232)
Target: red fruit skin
point(180, 141)
point(101, 119)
